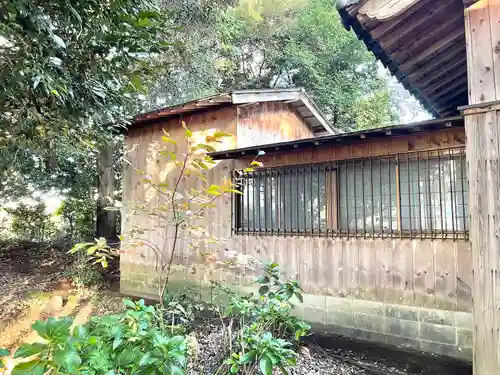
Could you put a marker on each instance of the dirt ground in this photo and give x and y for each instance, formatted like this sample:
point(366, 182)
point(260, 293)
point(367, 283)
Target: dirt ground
point(33, 286)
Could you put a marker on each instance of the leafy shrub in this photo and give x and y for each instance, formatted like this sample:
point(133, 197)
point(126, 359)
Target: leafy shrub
point(267, 330)
point(31, 222)
point(82, 273)
point(129, 343)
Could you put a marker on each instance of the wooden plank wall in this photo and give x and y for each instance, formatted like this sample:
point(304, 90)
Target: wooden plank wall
point(143, 146)
point(431, 274)
point(263, 123)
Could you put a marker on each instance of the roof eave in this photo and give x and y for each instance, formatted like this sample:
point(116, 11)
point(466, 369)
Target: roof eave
point(374, 47)
point(393, 130)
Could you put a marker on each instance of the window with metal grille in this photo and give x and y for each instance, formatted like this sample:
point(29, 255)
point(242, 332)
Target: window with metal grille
point(415, 194)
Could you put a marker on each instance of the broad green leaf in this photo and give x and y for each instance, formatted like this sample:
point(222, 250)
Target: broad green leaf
point(263, 290)
point(4, 352)
point(266, 365)
point(67, 358)
point(35, 367)
point(176, 341)
point(172, 369)
point(234, 368)
point(92, 249)
point(145, 370)
point(80, 332)
point(55, 330)
point(27, 350)
point(219, 134)
point(248, 357)
point(166, 139)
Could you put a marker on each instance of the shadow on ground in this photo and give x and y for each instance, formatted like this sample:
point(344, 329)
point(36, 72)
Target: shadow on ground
point(383, 359)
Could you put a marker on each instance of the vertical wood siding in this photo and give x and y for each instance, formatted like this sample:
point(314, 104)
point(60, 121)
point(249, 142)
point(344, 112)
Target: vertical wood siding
point(422, 273)
point(264, 123)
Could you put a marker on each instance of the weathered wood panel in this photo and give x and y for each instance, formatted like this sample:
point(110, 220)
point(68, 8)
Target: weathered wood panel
point(143, 146)
point(264, 123)
point(422, 273)
point(370, 147)
point(483, 149)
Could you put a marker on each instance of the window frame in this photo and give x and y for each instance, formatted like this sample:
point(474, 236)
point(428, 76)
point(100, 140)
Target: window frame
point(332, 202)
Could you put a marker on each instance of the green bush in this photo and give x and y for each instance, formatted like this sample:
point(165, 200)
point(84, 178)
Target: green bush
point(129, 343)
point(268, 332)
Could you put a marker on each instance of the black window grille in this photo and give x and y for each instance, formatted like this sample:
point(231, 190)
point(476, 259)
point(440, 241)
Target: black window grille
point(418, 194)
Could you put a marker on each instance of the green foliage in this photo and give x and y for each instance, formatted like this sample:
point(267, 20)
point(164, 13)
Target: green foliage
point(78, 215)
point(262, 348)
point(31, 222)
point(68, 70)
point(267, 331)
point(97, 252)
point(374, 110)
point(83, 273)
point(301, 43)
point(130, 343)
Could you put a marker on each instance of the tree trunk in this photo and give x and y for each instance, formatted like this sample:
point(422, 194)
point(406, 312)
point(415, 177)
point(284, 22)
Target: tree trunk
point(106, 219)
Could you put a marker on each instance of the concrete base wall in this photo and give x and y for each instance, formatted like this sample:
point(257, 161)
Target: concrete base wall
point(441, 332)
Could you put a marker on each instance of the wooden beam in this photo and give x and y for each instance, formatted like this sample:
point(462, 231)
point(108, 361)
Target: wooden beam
point(444, 61)
point(442, 72)
point(482, 23)
point(457, 84)
point(446, 82)
point(395, 40)
point(436, 34)
point(457, 35)
point(387, 26)
point(446, 99)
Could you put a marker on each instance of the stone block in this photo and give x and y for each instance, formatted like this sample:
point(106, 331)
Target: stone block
point(401, 312)
point(368, 307)
point(310, 314)
point(313, 300)
point(441, 317)
point(464, 338)
point(464, 320)
point(338, 318)
point(438, 333)
point(366, 322)
point(400, 327)
point(339, 304)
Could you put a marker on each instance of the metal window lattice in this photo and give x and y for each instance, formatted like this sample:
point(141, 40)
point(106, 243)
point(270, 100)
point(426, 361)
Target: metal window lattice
point(419, 194)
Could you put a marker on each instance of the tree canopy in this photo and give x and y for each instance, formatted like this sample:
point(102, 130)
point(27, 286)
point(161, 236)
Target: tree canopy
point(302, 43)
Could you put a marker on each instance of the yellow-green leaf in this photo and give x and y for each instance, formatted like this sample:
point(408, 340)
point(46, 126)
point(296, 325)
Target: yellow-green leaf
point(166, 139)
